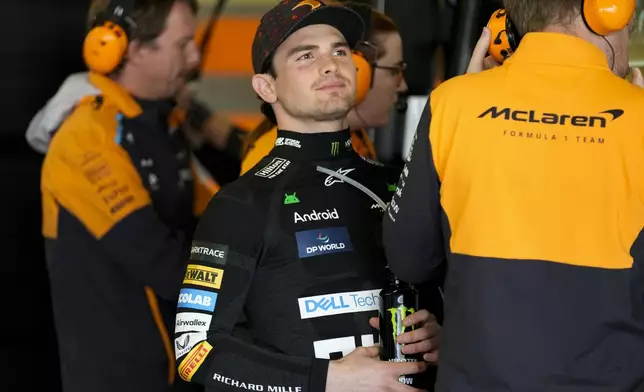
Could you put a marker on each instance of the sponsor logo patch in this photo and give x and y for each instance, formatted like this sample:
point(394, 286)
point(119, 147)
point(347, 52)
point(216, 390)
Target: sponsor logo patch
point(339, 303)
point(330, 180)
point(192, 322)
point(193, 360)
point(317, 242)
point(204, 276)
point(197, 299)
point(184, 343)
point(208, 252)
point(315, 216)
point(286, 141)
point(274, 168)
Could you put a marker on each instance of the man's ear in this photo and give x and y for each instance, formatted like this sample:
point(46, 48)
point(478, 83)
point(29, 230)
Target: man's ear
point(135, 51)
point(264, 86)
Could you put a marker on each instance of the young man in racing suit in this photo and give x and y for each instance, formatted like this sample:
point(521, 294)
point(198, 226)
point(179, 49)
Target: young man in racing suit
point(287, 263)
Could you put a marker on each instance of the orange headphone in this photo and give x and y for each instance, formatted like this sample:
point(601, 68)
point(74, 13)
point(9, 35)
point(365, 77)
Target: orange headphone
point(602, 17)
point(364, 74)
point(106, 43)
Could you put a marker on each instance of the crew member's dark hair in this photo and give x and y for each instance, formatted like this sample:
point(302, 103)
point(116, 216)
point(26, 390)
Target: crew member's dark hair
point(535, 15)
point(149, 16)
point(380, 24)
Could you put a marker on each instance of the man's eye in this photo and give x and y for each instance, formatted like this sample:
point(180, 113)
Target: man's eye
point(305, 56)
point(341, 52)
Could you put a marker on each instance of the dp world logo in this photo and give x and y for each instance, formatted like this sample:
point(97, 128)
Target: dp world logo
point(319, 242)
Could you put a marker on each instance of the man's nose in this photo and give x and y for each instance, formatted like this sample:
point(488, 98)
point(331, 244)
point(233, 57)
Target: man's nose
point(329, 65)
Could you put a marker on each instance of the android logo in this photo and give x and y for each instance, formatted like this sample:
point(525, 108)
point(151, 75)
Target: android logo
point(291, 199)
point(391, 187)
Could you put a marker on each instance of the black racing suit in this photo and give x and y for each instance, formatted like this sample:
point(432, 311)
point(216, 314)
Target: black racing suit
point(285, 269)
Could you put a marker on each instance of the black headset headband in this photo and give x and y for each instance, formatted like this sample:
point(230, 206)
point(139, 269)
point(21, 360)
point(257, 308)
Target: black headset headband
point(119, 12)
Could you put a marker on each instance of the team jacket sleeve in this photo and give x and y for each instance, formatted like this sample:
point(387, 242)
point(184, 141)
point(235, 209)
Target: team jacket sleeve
point(210, 350)
point(412, 225)
point(99, 187)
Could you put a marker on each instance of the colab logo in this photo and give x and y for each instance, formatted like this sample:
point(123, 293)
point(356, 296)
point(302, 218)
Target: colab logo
point(533, 116)
point(323, 241)
point(315, 216)
point(197, 299)
point(339, 303)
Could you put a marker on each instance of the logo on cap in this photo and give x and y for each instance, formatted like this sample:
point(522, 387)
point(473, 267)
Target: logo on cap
point(311, 3)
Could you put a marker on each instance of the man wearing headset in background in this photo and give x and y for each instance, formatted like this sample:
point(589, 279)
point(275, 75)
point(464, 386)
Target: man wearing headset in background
point(527, 178)
point(287, 263)
point(121, 195)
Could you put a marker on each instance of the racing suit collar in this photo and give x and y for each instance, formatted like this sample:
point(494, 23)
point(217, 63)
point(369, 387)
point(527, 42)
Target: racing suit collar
point(115, 93)
point(310, 146)
point(558, 49)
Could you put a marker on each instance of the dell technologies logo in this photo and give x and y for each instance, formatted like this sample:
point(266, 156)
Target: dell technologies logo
point(534, 116)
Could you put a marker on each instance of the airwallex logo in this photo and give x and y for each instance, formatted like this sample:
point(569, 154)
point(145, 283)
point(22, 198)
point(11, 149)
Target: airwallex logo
point(339, 303)
point(317, 242)
point(599, 120)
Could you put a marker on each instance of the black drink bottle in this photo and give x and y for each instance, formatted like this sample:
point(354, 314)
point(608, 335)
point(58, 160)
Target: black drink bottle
point(397, 301)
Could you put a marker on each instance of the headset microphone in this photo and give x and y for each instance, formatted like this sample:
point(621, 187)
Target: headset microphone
point(401, 105)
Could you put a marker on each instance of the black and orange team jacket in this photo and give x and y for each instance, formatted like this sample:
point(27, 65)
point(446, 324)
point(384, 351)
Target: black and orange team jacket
point(528, 180)
point(121, 194)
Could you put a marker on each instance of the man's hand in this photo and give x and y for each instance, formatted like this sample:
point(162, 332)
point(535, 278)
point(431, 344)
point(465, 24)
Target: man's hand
point(363, 371)
point(479, 62)
point(424, 339)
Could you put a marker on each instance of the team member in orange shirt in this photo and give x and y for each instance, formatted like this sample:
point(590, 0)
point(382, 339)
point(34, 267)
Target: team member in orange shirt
point(526, 180)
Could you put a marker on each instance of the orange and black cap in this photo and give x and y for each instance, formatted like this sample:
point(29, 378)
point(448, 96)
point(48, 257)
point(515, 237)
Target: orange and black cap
point(291, 15)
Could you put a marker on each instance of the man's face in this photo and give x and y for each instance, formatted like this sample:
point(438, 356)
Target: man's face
point(388, 82)
point(168, 60)
point(315, 75)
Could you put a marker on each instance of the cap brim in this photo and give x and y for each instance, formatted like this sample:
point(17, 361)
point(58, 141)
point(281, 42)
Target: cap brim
point(347, 21)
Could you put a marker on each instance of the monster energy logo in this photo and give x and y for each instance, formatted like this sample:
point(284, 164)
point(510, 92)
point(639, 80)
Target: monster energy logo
point(397, 316)
point(335, 148)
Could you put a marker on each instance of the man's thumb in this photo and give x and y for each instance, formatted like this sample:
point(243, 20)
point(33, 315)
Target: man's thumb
point(372, 351)
point(637, 78)
point(480, 50)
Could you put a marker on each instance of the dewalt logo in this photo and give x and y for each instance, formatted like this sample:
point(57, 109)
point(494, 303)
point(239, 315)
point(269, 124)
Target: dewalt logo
point(533, 116)
point(204, 276)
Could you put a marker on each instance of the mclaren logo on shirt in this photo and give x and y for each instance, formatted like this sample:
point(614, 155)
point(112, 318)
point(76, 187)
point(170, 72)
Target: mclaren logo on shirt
point(315, 216)
point(317, 242)
point(533, 116)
